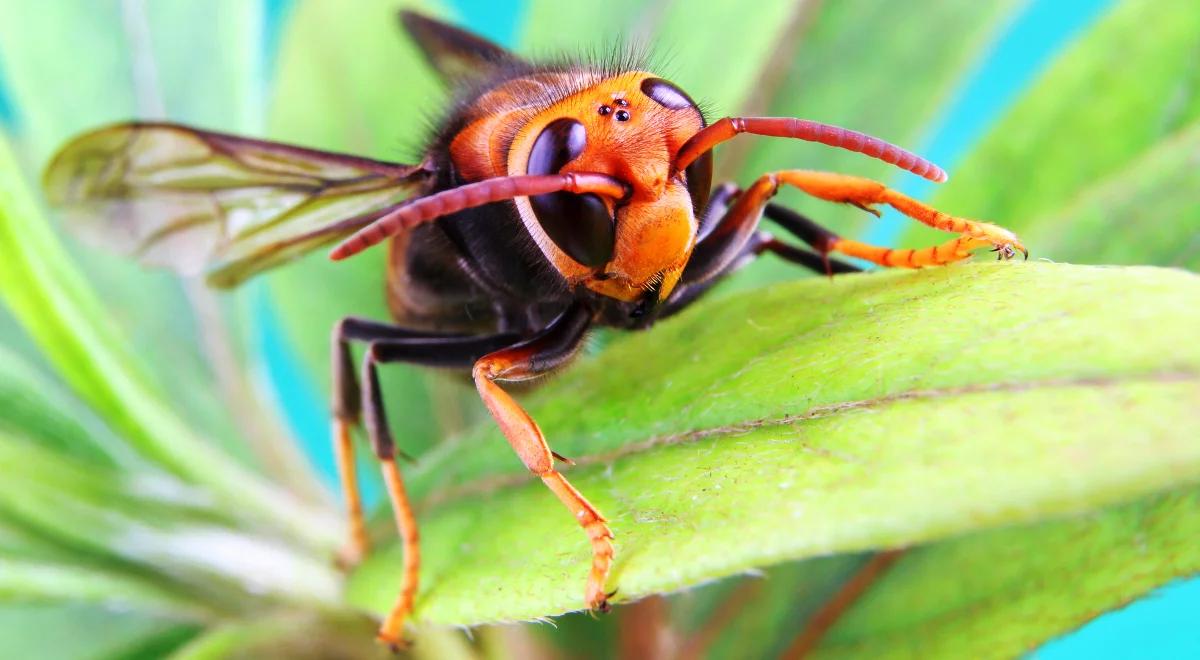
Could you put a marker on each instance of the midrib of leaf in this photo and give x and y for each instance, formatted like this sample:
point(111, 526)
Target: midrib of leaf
point(922, 406)
point(897, 476)
point(822, 343)
point(488, 485)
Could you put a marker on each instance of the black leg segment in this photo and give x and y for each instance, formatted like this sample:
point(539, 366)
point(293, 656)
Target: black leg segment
point(800, 226)
point(389, 343)
point(461, 352)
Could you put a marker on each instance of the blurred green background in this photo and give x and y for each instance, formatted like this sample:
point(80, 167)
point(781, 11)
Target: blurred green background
point(137, 406)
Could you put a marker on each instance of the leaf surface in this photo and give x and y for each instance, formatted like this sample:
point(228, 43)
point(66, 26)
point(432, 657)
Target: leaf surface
point(823, 417)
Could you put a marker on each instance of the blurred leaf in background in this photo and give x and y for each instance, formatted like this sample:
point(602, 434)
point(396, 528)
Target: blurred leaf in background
point(1028, 428)
point(1098, 163)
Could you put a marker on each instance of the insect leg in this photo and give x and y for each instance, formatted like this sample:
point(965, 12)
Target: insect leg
point(529, 359)
point(815, 262)
point(865, 193)
point(436, 351)
point(760, 242)
point(723, 234)
point(732, 232)
point(346, 410)
point(816, 236)
point(718, 204)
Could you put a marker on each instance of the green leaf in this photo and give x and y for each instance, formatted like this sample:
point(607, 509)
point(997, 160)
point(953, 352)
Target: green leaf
point(1107, 122)
point(352, 80)
point(1147, 212)
point(141, 60)
point(193, 63)
point(198, 64)
point(44, 42)
point(555, 28)
point(1003, 592)
point(33, 581)
point(996, 593)
point(160, 538)
point(63, 315)
point(86, 632)
point(874, 411)
point(33, 408)
point(772, 606)
point(288, 636)
point(871, 66)
point(686, 41)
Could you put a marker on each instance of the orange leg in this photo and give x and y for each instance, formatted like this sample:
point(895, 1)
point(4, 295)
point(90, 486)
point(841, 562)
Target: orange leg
point(391, 632)
point(357, 544)
point(389, 344)
point(346, 411)
point(866, 193)
point(523, 362)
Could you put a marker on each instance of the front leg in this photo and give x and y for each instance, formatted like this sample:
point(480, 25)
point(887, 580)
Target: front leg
point(724, 245)
point(865, 194)
point(546, 351)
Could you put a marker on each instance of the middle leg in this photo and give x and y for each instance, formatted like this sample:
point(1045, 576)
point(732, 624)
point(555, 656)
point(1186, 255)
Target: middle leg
point(544, 352)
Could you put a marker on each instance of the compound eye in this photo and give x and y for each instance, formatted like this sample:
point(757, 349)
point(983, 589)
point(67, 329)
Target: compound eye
point(560, 143)
point(580, 225)
point(666, 94)
point(699, 173)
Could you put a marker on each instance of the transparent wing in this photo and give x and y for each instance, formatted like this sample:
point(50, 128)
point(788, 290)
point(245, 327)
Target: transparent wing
point(203, 202)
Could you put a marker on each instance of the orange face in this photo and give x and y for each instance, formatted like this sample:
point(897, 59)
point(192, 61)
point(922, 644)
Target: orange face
point(629, 127)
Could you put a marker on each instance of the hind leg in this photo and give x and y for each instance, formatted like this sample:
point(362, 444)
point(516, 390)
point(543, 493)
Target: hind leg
point(388, 344)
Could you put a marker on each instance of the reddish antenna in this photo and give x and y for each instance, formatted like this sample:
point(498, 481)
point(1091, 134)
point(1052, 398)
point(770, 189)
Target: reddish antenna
point(803, 129)
point(423, 209)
